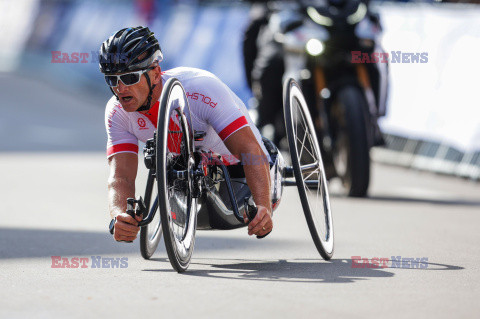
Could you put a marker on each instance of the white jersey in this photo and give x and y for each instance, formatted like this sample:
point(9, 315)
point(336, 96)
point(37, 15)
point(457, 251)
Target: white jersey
point(215, 110)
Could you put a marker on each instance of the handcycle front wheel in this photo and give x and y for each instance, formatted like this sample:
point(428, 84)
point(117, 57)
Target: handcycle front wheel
point(174, 162)
point(151, 234)
point(308, 168)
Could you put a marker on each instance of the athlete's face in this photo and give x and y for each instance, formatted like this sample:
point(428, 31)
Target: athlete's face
point(131, 97)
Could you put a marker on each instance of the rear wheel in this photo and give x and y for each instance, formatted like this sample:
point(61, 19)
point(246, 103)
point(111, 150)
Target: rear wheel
point(174, 175)
point(308, 169)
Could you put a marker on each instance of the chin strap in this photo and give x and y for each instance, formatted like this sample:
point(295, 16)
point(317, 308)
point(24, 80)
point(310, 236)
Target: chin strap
point(146, 106)
point(113, 92)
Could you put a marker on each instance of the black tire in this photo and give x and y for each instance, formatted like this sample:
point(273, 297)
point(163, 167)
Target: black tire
point(151, 234)
point(351, 151)
point(311, 182)
point(176, 204)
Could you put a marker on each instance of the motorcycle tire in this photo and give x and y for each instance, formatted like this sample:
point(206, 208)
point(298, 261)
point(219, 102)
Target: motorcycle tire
point(352, 142)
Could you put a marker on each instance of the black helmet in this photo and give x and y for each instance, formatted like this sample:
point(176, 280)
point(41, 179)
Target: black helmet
point(129, 49)
point(337, 3)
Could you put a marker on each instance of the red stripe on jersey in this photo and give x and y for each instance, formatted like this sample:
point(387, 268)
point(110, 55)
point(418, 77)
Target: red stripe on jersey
point(127, 147)
point(232, 127)
point(226, 162)
point(152, 114)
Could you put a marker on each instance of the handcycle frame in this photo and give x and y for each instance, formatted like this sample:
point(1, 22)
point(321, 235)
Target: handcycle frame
point(203, 180)
point(142, 205)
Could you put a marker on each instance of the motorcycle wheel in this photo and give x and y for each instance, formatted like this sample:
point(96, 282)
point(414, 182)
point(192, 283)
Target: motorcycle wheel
point(351, 151)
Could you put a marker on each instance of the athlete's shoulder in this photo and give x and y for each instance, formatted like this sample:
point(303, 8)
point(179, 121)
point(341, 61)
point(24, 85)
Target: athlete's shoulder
point(188, 75)
point(112, 104)
point(187, 72)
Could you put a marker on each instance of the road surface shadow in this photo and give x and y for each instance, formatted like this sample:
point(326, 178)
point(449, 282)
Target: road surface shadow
point(37, 243)
point(405, 199)
point(295, 270)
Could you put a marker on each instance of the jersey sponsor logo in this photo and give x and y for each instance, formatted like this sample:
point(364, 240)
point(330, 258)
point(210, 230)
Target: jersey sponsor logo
point(199, 96)
point(141, 122)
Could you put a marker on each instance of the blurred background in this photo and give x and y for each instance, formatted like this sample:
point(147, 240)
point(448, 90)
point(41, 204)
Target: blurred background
point(433, 114)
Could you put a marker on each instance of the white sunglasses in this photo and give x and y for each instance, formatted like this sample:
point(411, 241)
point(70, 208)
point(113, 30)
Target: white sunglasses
point(127, 78)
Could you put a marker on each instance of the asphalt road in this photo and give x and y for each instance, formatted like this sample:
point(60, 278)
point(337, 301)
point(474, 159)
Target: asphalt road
point(53, 203)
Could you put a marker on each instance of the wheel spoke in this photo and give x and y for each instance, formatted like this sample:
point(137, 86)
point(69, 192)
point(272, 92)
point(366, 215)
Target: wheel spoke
point(312, 143)
point(307, 129)
point(312, 152)
point(308, 133)
point(303, 145)
point(306, 150)
point(313, 172)
point(308, 167)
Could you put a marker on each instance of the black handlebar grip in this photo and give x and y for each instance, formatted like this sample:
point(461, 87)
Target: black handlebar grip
point(252, 212)
point(132, 211)
point(250, 209)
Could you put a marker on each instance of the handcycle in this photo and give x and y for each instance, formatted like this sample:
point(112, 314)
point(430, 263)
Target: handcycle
point(189, 189)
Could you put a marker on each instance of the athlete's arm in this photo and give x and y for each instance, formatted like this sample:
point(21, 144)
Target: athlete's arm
point(121, 185)
point(245, 147)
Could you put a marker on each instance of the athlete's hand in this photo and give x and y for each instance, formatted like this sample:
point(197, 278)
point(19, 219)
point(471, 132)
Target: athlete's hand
point(262, 224)
point(126, 227)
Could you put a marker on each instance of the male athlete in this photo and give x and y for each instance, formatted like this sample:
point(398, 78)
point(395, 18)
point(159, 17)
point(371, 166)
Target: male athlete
point(130, 61)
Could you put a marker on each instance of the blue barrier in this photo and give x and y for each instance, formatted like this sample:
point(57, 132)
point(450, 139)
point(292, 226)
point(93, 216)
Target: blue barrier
point(206, 37)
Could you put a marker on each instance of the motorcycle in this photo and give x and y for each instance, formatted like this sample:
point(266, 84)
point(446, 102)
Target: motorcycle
point(345, 98)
